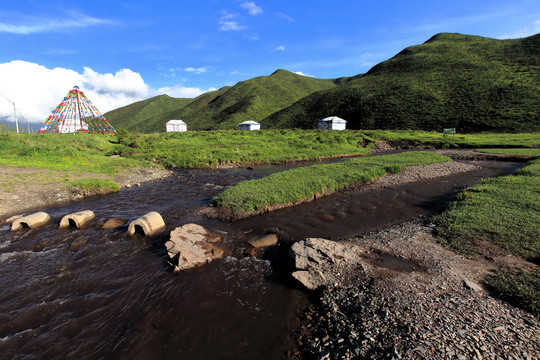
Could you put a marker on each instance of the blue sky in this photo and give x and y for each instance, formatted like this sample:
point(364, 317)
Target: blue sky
point(123, 51)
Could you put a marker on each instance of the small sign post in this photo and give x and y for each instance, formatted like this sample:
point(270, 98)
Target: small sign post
point(449, 131)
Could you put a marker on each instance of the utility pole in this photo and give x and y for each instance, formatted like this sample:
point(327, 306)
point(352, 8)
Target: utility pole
point(15, 112)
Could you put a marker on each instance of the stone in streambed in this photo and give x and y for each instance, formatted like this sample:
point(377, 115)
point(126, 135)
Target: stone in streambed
point(192, 245)
point(264, 241)
point(112, 223)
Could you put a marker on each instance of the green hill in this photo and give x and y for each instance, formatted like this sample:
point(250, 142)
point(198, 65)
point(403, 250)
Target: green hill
point(252, 99)
point(471, 83)
point(4, 128)
point(137, 115)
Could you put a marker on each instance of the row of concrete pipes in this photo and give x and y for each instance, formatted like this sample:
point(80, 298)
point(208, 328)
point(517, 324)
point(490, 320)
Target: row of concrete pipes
point(148, 225)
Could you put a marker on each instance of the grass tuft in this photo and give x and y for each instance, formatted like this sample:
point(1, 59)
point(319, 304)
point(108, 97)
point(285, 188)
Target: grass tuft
point(95, 184)
point(518, 287)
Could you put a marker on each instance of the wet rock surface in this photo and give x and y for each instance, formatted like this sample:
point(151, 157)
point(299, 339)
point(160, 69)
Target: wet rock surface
point(192, 245)
point(437, 311)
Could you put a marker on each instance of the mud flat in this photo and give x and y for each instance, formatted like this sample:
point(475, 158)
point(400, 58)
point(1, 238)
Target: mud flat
point(435, 310)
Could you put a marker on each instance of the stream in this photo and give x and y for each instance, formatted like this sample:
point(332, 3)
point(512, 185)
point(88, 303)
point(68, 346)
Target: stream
point(94, 293)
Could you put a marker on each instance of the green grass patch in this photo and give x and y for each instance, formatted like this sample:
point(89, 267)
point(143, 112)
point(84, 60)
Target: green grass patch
point(301, 184)
point(518, 287)
point(518, 152)
point(411, 138)
point(504, 211)
point(95, 184)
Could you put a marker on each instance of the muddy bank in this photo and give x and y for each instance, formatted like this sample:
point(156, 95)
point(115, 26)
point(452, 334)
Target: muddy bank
point(436, 310)
point(26, 189)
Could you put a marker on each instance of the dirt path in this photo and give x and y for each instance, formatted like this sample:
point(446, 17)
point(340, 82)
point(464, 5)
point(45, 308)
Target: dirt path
point(27, 189)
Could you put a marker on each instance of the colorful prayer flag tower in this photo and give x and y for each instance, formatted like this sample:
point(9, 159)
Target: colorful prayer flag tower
point(76, 114)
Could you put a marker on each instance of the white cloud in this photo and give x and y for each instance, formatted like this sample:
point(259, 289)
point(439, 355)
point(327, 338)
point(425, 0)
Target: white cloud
point(532, 29)
point(280, 48)
point(226, 25)
point(181, 92)
point(303, 74)
point(37, 90)
point(251, 8)
point(31, 25)
point(198, 70)
point(285, 16)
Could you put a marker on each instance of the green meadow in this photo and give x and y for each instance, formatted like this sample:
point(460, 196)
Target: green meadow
point(419, 138)
point(208, 149)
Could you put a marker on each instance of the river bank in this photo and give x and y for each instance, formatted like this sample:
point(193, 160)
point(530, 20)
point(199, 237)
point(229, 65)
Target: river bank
point(434, 310)
point(27, 189)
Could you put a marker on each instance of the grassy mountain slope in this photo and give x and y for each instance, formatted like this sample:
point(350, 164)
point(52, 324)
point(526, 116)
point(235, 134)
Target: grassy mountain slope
point(253, 99)
point(452, 80)
point(138, 114)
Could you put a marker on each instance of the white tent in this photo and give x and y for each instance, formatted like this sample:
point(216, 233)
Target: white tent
point(176, 126)
point(249, 125)
point(332, 123)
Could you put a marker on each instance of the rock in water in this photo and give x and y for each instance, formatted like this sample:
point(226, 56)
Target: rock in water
point(264, 241)
point(192, 245)
point(112, 223)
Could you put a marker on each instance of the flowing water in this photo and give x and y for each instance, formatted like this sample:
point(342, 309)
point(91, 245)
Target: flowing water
point(93, 293)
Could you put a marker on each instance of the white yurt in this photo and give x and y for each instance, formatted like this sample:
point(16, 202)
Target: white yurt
point(249, 125)
point(332, 123)
point(176, 126)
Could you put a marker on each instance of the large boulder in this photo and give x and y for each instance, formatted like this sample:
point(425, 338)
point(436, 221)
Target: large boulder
point(321, 262)
point(192, 245)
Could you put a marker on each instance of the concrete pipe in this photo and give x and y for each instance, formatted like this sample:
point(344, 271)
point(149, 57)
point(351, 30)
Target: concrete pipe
point(31, 221)
point(77, 219)
point(148, 225)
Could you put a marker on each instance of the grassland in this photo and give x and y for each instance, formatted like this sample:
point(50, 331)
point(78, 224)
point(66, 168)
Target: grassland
point(501, 215)
point(82, 152)
point(230, 148)
point(419, 138)
point(303, 184)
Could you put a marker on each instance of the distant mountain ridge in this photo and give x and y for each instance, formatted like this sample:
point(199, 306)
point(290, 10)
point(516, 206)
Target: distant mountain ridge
point(468, 82)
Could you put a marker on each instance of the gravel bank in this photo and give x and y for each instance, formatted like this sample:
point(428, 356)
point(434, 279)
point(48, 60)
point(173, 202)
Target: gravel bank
point(416, 173)
point(435, 310)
